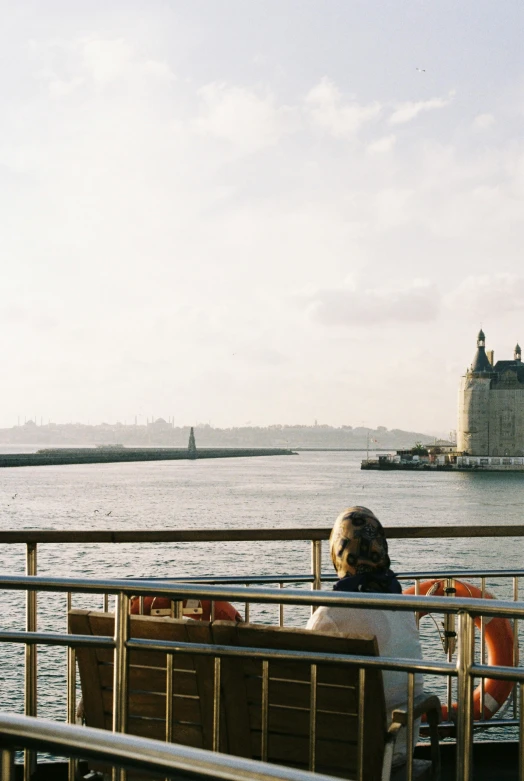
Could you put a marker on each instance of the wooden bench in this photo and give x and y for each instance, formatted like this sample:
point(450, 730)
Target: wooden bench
point(338, 715)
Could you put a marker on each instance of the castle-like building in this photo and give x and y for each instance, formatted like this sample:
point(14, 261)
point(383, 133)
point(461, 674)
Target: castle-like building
point(491, 405)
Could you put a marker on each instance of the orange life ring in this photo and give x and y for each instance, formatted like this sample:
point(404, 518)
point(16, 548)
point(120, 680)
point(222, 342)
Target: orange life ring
point(499, 644)
point(199, 610)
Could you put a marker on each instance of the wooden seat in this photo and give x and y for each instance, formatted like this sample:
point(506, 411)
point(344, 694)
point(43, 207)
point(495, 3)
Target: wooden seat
point(339, 718)
point(192, 722)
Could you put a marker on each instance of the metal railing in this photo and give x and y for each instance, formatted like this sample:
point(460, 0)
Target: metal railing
point(465, 669)
point(32, 538)
point(173, 760)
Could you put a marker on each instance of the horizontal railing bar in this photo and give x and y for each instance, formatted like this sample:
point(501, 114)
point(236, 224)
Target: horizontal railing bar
point(55, 638)
point(140, 753)
point(309, 657)
point(332, 577)
point(242, 535)
point(496, 671)
point(181, 591)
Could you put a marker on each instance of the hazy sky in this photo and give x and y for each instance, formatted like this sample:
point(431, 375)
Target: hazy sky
point(258, 210)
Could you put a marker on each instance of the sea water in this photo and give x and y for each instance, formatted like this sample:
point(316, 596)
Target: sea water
point(302, 491)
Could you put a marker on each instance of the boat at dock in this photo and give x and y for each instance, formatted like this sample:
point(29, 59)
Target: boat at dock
point(474, 747)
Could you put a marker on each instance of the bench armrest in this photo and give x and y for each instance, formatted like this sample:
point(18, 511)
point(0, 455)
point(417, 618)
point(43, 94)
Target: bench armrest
point(428, 704)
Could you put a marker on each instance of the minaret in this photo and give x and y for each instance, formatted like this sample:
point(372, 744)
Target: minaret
point(191, 447)
point(517, 355)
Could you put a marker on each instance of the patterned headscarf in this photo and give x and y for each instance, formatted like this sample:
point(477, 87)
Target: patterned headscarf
point(358, 543)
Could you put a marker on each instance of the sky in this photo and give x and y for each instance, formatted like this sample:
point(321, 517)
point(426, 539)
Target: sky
point(273, 211)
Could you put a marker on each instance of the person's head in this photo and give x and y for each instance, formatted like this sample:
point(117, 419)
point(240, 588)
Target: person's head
point(358, 543)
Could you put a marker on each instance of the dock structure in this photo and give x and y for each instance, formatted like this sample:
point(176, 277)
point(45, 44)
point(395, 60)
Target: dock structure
point(62, 456)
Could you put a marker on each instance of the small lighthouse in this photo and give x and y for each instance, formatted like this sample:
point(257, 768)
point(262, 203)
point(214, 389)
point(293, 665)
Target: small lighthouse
point(191, 446)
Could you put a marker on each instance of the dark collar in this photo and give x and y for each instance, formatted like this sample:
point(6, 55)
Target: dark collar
point(384, 582)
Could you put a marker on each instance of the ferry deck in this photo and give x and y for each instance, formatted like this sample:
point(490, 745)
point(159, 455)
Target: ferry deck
point(473, 743)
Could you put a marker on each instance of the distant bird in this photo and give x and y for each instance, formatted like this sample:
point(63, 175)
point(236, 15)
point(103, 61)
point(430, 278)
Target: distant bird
point(421, 70)
point(14, 497)
point(96, 511)
point(109, 513)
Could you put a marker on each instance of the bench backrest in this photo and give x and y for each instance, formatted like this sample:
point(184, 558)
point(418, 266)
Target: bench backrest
point(340, 716)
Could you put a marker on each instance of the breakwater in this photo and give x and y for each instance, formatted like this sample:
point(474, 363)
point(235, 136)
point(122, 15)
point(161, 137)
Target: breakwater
point(61, 456)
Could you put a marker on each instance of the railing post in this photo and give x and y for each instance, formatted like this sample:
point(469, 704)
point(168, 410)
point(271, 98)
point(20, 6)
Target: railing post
point(216, 702)
point(316, 566)
point(71, 704)
point(465, 659)
point(8, 764)
point(520, 688)
point(30, 708)
point(120, 677)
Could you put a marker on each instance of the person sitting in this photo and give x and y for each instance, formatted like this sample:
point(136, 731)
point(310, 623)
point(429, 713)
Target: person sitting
point(359, 551)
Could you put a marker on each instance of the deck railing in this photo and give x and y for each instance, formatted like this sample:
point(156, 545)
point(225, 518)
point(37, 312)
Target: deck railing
point(173, 760)
point(464, 670)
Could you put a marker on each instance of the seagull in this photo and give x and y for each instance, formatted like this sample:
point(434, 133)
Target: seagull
point(421, 70)
point(109, 513)
point(14, 497)
point(96, 511)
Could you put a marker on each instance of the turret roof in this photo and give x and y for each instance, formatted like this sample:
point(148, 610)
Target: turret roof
point(480, 361)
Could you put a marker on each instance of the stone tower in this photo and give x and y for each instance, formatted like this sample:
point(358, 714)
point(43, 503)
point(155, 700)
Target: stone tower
point(473, 422)
point(491, 405)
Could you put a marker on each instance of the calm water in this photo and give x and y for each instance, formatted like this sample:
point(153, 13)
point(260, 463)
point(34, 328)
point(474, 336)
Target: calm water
point(308, 490)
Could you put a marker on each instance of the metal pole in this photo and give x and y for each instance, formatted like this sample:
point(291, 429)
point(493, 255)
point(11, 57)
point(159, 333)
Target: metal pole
point(521, 731)
point(417, 593)
point(361, 726)
point(216, 705)
point(313, 719)
point(482, 649)
point(316, 566)
point(30, 656)
point(410, 727)
point(264, 716)
point(516, 648)
point(169, 698)
point(465, 659)
point(246, 609)
point(281, 609)
point(449, 639)
point(120, 677)
point(8, 764)
point(71, 704)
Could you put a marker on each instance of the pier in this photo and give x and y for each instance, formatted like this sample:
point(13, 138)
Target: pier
point(110, 455)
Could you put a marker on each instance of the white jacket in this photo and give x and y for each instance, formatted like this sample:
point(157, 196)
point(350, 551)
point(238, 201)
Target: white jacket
point(396, 634)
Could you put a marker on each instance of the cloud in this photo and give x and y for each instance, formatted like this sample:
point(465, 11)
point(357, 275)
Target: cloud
point(106, 60)
point(330, 113)
point(498, 294)
point(483, 121)
point(419, 302)
point(242, 117)
point(405, 112)
point(382, 145)
point(96, 62)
